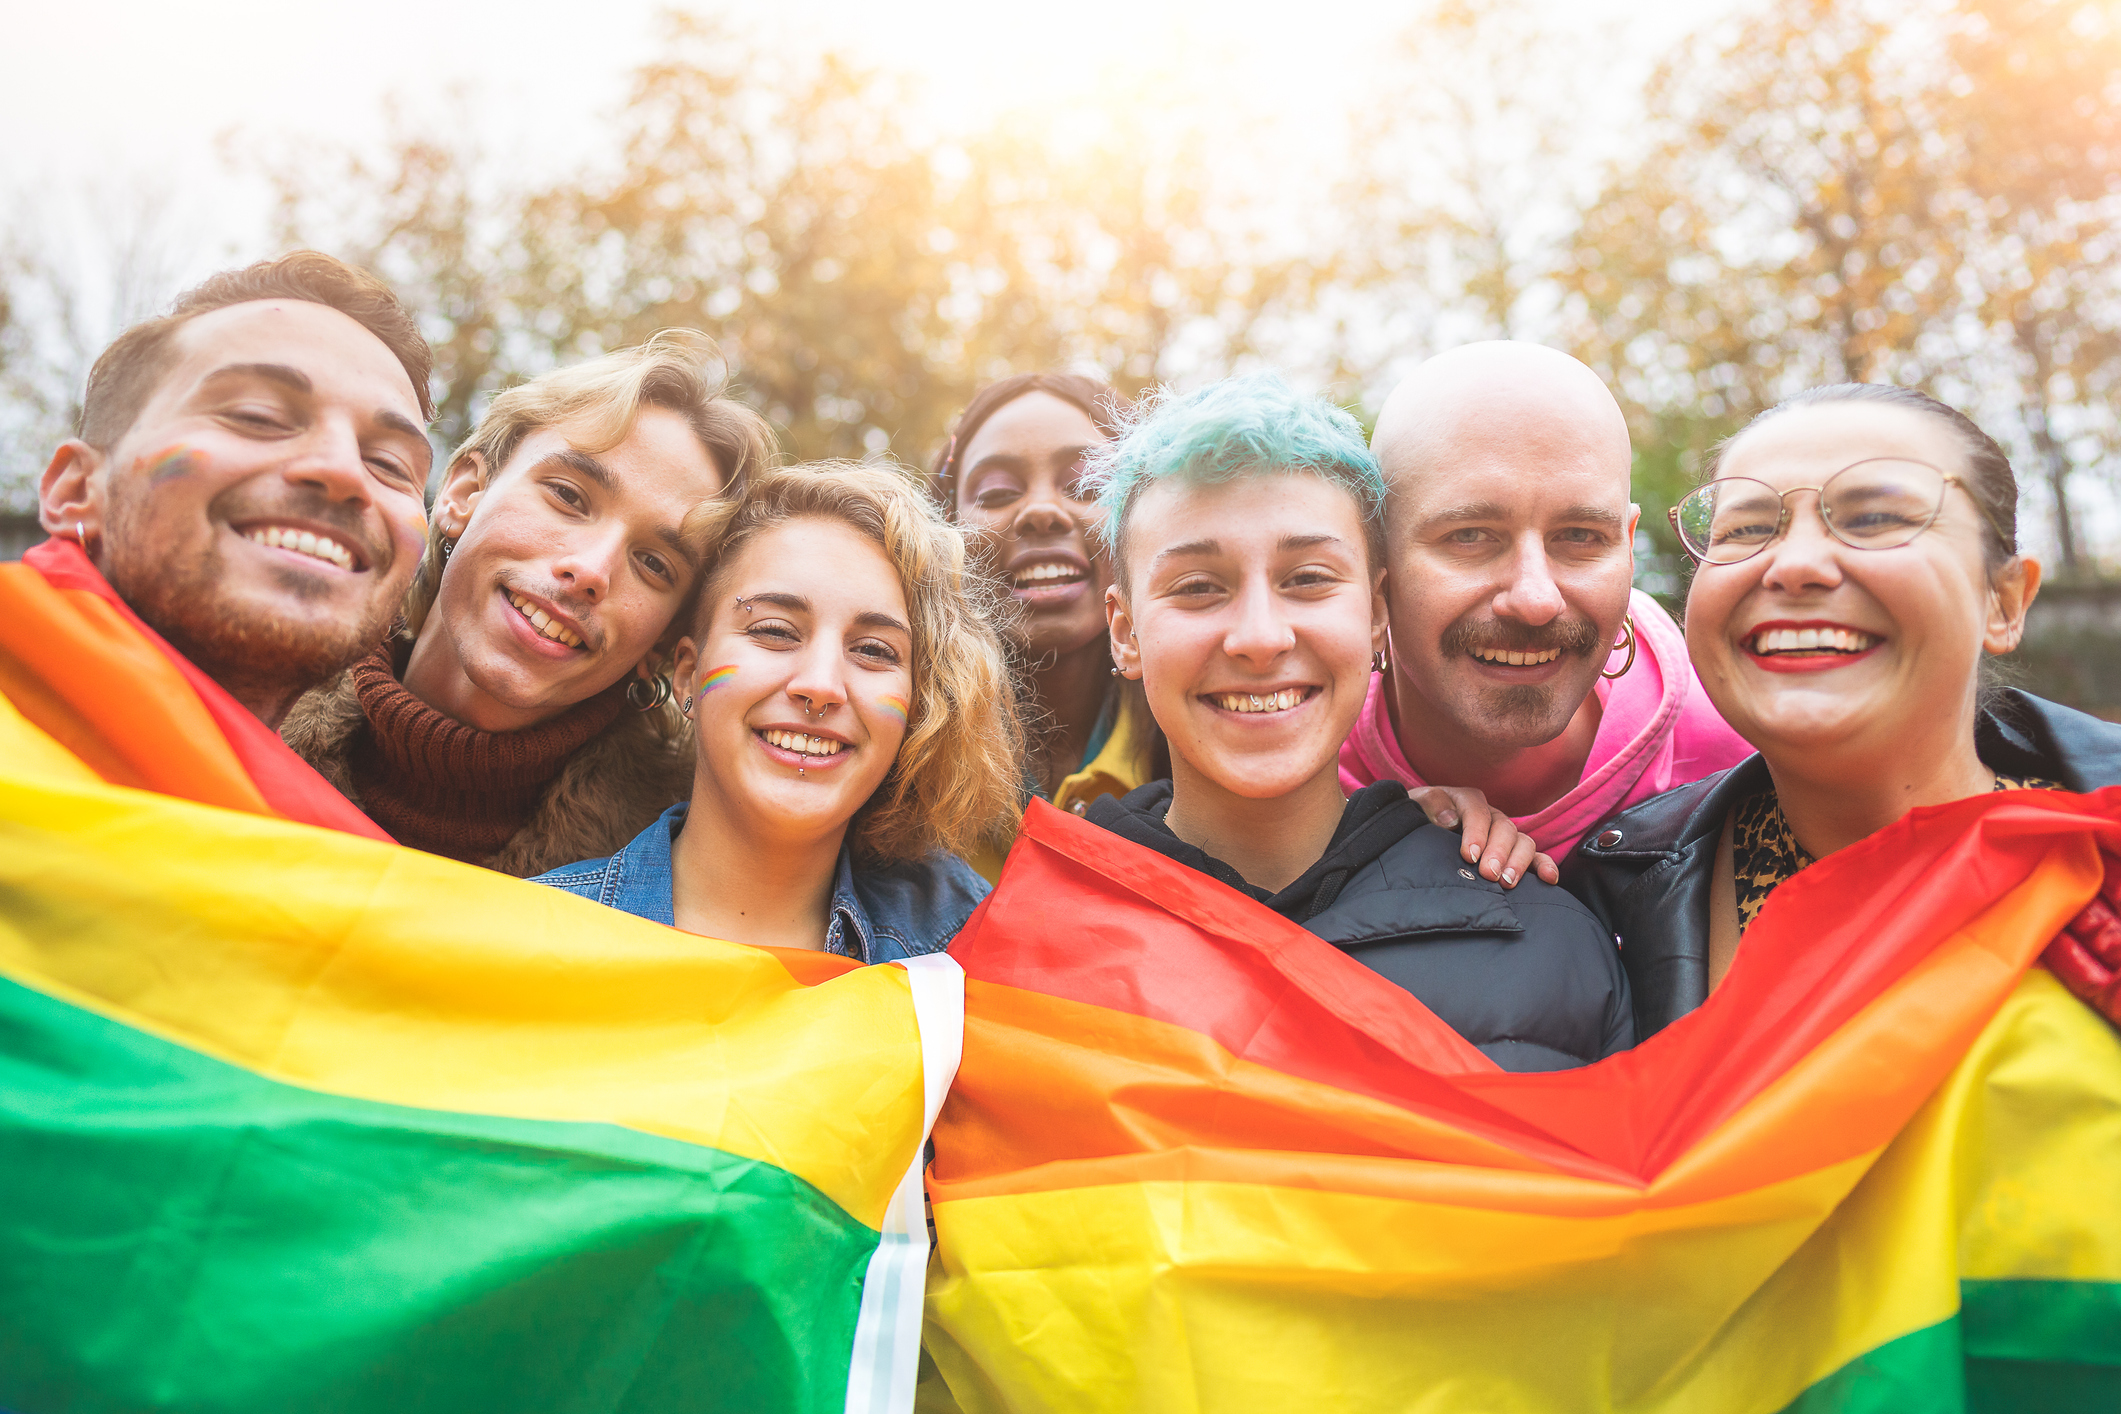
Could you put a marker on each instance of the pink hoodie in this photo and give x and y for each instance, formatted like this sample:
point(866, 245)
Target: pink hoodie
point(1659, 730)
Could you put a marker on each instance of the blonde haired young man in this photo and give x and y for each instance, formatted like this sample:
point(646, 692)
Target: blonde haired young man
point(521, 718)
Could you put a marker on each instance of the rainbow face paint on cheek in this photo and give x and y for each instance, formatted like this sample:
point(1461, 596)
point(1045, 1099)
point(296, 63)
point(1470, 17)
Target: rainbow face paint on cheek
point(169, 463)
point(895, 705)
point(716, 677)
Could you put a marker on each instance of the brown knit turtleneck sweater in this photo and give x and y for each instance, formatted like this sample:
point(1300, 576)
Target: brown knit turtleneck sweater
point(439, 785)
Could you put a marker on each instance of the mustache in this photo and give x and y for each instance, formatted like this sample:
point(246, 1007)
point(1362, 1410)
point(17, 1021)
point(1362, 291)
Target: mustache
point(1573, 635)
point(305, 503)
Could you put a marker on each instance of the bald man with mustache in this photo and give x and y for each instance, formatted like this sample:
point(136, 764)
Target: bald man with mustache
point(1523, 661)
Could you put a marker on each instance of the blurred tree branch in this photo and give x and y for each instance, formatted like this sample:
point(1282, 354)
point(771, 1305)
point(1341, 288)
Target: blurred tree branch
point(861, 282)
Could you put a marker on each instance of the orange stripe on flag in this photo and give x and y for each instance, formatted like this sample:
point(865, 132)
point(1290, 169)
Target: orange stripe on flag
point(112, 697)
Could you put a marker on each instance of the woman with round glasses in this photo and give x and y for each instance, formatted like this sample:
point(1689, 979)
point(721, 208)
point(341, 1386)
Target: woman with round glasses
point(1856, 565)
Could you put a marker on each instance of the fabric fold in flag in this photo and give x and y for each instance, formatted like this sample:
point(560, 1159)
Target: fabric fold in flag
point(1197, 1159)
point(78, 666)
point(291, 1119)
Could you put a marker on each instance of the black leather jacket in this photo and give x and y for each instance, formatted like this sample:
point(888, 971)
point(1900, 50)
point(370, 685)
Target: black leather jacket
point(1645, 872)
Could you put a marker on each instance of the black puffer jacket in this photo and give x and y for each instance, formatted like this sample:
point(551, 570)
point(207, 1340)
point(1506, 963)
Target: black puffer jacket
point(1527, 975)
point(1646, 872)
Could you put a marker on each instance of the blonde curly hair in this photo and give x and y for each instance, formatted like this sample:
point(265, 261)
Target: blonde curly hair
point(954, 785)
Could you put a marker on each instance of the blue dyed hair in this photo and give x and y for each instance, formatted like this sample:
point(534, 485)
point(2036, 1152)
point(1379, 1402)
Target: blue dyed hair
point(1254, 425)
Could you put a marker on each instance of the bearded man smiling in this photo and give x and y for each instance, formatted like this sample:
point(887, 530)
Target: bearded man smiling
point(236, 521)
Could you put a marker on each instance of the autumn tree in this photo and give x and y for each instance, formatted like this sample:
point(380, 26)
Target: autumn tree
point(2034, 97)
point(861, 279)
point(77, 267)
point(1842, 190)
point(1468, 170)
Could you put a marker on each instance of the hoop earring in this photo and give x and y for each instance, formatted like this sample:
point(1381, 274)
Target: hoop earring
point(647, 694)
point(80, 535)
point(1627, 630)
point(1380, 662)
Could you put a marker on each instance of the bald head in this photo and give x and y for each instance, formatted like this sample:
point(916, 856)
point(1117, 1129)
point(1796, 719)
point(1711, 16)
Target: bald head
point(1481, 399)
point(1508, 532)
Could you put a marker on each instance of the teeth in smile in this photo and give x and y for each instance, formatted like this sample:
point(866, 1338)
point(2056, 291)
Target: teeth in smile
point(804, 743)
point(1046, 574)
point(321, 547)
point(1259, 702)
point(545, 623)
point(1799, 640)
point(1516, 659)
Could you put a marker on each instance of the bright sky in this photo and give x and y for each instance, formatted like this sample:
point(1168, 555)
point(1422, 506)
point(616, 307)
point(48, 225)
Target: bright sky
point(118, 97)
point(113, 108)
point(145, 86)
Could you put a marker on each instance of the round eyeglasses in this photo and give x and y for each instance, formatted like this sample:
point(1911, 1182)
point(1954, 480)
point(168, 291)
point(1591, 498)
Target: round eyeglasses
point(1878, 504)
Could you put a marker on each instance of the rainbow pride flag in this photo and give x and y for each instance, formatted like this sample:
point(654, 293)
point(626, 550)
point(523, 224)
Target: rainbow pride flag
point(1197, 1160)
point(79, 666)
point(292, 1120)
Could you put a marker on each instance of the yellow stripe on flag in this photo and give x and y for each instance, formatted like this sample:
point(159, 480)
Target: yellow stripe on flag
point(328, 961)
point(1242, 1297)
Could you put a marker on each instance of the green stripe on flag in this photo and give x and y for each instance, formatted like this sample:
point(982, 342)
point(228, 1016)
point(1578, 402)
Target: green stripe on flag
point(2048, 1346)
point(2043, 1320)
point(2016, 1347)
point(1920, 1373)
point(178, 1232)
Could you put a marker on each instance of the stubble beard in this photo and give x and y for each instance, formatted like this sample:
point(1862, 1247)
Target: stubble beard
point(264, 660)
point(1531, 714)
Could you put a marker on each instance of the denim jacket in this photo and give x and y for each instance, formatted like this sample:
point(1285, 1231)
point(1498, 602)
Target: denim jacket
point(877, 915)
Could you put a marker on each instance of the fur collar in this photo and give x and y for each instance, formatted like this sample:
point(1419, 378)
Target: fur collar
point(606, 793)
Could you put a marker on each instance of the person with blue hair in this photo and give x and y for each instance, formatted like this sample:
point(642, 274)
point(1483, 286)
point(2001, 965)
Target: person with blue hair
point(1245, 527)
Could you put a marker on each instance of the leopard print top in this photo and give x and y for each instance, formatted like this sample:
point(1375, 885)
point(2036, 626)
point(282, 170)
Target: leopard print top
point(1765, 853)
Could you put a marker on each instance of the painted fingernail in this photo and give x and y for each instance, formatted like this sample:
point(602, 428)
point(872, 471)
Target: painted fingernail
point(1447, 819)
point(1509, 877)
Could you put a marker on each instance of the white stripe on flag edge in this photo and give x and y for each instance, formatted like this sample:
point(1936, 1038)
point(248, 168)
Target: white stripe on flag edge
point(887, 1337)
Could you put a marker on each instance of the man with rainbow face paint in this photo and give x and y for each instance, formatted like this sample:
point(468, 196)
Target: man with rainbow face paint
point(855, 728)
point(236, 521)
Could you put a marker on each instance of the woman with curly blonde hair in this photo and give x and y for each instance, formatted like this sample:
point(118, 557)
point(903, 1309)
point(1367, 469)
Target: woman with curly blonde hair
point(855, 726)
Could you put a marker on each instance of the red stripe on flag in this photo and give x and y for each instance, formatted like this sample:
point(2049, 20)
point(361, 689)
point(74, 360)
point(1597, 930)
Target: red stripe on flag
point(1083, 915)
